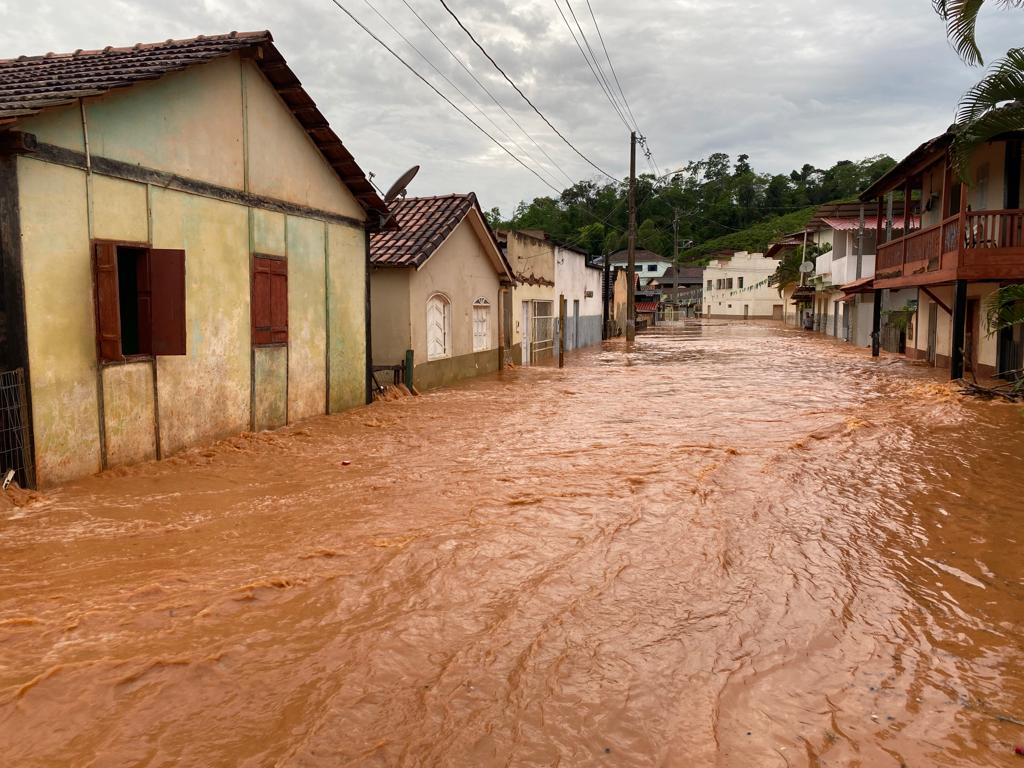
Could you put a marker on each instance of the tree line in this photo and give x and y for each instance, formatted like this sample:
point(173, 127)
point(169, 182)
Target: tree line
point(712, 200)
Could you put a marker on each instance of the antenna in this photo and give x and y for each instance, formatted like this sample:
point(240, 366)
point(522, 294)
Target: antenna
point(398, 188)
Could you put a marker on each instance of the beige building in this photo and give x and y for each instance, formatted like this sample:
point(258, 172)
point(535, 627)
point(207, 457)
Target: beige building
point(184, 243)
point(534, 301)
point(439, 287)
point(737, 286)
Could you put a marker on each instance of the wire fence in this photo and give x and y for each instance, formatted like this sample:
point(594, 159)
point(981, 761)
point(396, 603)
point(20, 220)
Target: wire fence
point(15, 452)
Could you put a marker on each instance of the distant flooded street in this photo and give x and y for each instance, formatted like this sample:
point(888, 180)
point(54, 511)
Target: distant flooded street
point(732, 545)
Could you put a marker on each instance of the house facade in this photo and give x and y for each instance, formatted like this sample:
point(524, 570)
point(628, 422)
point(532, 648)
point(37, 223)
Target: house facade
point(958, 241)
point(534, 301)
point(184, 246)
point(738, 287)
point(649, 265)
point(579, 282)
point(440, 287)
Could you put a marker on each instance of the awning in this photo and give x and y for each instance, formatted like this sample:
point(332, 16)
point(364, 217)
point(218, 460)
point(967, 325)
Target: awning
point(803, 292)
point(864, 285)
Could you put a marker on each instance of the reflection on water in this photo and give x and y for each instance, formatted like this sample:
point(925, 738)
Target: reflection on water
point(730, 545)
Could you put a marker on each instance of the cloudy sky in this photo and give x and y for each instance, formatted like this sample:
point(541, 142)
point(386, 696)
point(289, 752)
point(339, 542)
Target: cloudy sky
point(787, 82)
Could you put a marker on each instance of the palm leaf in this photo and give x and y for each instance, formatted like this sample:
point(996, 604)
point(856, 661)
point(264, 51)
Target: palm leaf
point(1005, 308)
point(991, 107)
point(961, 17)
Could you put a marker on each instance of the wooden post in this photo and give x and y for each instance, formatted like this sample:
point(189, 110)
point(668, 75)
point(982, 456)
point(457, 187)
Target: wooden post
point(876, 325)
point(956, 364)
point(964, 234)
point(561, 330)
point(631, 245)
point(409, 355)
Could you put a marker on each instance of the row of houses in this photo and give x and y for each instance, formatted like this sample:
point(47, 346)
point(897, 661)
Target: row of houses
point(908, 268)
point(189, 251)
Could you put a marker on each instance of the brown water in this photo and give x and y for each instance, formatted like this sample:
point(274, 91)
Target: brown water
point(730, 545)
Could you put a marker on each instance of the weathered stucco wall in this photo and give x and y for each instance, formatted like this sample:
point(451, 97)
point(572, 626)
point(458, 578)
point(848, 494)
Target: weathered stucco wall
point(574, 279)
point(529, 257)
point(346, 248)
point(389, 307)
point(59, 319)
point(283, 161)
point(442, 373)
point(128, 409)
point(307, 319)
point(205, 394)
point(270, 387)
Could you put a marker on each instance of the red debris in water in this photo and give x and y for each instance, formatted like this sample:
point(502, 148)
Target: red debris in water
point(345, 463)
point(1019, 749)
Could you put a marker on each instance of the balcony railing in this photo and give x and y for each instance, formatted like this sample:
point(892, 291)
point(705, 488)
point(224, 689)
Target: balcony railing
point(935, 248)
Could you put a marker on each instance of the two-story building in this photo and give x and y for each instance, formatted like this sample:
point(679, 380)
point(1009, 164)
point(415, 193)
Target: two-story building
point(967, 241)
point(738, 286)
point(649, 265)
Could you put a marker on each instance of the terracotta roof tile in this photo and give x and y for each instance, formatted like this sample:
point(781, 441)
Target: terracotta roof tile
point(30, 84)
point(423, 224)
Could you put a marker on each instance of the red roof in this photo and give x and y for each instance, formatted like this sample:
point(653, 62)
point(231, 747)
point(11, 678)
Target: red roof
point(31, 84)
point(646, 306)
point(424, 223)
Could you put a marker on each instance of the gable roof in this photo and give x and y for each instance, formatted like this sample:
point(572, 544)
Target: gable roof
point(32, 84)
point(423, 224)
point(641, 255)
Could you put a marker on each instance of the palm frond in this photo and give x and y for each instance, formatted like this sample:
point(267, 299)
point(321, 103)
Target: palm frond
point(961, 17)
point(1005, 308)
point(991, 107)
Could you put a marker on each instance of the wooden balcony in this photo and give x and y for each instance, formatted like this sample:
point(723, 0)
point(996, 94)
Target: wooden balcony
point(982, 245)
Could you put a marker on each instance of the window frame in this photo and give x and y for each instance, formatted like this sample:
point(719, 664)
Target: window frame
point(272, 328)
point(481, 302)
point(103, 360)
point(446, 320)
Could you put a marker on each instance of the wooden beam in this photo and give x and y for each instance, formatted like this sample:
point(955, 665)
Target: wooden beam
point(937, 300)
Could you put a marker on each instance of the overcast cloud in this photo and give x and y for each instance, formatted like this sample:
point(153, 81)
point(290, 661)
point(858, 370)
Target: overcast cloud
point(786, 82)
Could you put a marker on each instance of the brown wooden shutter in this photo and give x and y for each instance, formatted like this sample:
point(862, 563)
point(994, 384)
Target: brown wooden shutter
point(167, 288)
point(144, 291)
point(269, 301)
point(108, 307)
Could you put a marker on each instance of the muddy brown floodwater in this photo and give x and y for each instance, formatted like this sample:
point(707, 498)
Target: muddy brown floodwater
point(731, 545)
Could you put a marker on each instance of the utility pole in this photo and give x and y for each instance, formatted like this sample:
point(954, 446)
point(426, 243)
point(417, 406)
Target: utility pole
point(675, 235)
point(631, 244)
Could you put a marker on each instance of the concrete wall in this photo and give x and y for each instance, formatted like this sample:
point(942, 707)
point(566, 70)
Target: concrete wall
point(390, 327)
point(532, 260)
point(574, 280)
point(729, 303)
point(987, 344)
point(194, 124)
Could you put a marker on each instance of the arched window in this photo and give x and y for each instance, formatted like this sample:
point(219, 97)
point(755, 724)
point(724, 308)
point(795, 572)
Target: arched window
point(481, 324)
point(439, 327)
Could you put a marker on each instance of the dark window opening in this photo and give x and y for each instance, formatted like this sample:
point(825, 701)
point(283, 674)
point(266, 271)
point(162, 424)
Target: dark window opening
point(135, 336)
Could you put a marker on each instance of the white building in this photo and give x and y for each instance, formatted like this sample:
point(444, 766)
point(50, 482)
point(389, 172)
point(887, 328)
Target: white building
point(580, 284)
point(649, 265)
point(737, 286)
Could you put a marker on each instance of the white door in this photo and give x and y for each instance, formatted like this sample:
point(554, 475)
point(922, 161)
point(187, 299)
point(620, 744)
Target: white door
point(524, 332)
point(439, 323)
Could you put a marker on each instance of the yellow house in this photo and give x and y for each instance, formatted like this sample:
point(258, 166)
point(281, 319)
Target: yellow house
point(184, 243)
point(439, 287)
point(532, 259)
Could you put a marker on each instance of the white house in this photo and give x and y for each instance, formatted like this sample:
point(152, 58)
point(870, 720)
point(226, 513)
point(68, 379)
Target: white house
point(649, 266)
point(737, 286)
point(580, 284)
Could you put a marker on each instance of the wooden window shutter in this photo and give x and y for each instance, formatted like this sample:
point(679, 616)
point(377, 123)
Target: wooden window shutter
point(269, 301)
point(108, 307)
point(167, 290)
point(279, 301)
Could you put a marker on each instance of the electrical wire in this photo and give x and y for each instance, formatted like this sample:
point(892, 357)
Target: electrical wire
point(453, 85)
point(451, 103)
point(598, 77)
point(520, 92)
point(486, 90)
point(610, 65)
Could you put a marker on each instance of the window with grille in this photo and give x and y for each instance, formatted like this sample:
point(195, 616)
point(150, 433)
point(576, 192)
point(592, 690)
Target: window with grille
point(269, 301)
point(481, 325)
point(140, 301)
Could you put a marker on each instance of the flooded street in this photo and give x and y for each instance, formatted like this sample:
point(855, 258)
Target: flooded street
point(732, 545)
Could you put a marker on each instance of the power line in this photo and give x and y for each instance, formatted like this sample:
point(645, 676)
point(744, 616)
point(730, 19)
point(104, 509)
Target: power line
point(601, 82)
point(452, 84)
point(451, 103)
point(520, 92)
point(610, 65)
point(487, 91)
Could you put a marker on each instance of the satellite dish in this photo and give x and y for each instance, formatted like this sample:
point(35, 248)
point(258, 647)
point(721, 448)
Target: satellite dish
point(807, 266)
point(398, 188)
